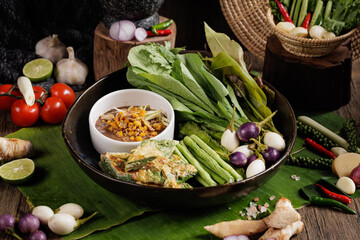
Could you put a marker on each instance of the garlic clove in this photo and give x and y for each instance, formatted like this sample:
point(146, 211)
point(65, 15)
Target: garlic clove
point(71, 70)
point(51, 48)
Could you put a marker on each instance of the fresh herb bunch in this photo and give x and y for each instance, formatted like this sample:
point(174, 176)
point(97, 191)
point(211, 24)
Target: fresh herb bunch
point(307, 131)
point(342, 16)
point(349, 132)
point(317, 163)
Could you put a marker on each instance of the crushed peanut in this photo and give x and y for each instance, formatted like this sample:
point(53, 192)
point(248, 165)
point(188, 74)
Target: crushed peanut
point(132, 124)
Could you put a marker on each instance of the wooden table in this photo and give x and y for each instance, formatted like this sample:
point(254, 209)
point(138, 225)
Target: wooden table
point(320, 223)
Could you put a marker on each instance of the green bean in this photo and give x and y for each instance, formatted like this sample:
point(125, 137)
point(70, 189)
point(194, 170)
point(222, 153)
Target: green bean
point(177, 152)
point(292, 9)
point(204, 175)
point(207, 160)
point(202, 181)
point(217, 158)
point(317, 13)
point(296, 12)
point(214, 176)
point(303, 12)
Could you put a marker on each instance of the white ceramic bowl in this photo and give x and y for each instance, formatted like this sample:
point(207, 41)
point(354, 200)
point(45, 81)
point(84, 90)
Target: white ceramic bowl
point(127, 97)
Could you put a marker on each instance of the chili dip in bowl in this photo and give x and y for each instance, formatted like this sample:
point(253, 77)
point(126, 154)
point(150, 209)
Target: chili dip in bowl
point(120, 120)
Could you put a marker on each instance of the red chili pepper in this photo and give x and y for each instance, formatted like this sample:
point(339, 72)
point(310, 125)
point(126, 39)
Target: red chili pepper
point(339, 197)
point(283, 11)
point(306, 22)
point(164, 32)
point(311, 143)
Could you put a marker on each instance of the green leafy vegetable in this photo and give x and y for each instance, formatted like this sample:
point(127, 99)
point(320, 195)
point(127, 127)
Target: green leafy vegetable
point(344, 15)
point(220, 42)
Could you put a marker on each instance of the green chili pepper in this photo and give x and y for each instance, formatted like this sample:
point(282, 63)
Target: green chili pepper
point(161, 26)
point(330, 202)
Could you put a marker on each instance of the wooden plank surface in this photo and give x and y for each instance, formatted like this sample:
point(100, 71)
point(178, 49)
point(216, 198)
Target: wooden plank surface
point(320, 223)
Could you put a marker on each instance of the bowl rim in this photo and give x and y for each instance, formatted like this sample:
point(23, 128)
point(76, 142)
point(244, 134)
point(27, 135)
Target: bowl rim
point(172, 113)
point(343, 37)
point(201, 188)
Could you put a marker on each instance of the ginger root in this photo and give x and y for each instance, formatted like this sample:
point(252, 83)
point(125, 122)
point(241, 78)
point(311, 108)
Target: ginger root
point(14, 148)
point(283, 233)
point(282, 223)
point(237, 227)
point(283, 215)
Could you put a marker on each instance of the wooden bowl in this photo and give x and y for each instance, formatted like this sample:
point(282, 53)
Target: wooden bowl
point(307, 47)
point(76, 135)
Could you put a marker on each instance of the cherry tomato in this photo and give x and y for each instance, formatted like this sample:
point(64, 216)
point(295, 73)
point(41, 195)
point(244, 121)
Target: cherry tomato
point(39, 92)
point(7, 101)
point(23, 115)
point(53, 111)
point(63, 91)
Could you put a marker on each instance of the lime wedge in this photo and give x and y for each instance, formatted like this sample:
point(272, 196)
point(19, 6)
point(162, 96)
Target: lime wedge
point(38, 70)
point(17, 171)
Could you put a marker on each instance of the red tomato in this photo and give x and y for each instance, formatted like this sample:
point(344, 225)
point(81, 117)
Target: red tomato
point(7, 101)
point(39, 92)
point(23, 115)
point(53, 111)
point(63, 91)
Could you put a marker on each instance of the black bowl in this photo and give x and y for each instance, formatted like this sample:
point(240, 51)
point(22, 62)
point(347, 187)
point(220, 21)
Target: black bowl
point(76, 135)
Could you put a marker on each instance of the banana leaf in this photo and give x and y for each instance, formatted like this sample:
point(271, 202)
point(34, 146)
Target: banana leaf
point(58, 180)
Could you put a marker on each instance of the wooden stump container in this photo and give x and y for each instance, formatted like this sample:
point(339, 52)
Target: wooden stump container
point(321, 83)
point(110, 55)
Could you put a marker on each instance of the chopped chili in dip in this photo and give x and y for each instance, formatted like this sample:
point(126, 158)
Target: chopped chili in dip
point(132, 124)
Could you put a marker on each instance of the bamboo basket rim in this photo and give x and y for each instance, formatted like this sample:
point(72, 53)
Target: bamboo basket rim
point(248, 21)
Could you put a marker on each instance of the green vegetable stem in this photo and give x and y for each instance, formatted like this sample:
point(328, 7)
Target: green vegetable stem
point(330, 202)
point(161, 26)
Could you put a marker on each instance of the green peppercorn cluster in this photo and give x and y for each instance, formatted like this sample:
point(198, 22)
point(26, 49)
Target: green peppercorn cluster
point(317, 163)
point(307, 131)
point(349, 132)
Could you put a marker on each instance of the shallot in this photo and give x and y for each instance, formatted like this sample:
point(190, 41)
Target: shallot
point(355, 175)
point(123, 30)
point(140, 34)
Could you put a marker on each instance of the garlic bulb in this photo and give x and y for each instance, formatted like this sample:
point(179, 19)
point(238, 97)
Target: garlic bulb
point(71, 70)
point(51, 48)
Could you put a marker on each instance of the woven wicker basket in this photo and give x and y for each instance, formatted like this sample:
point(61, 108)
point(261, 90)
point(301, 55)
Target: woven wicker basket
point(248, 21)
point(307, 47)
